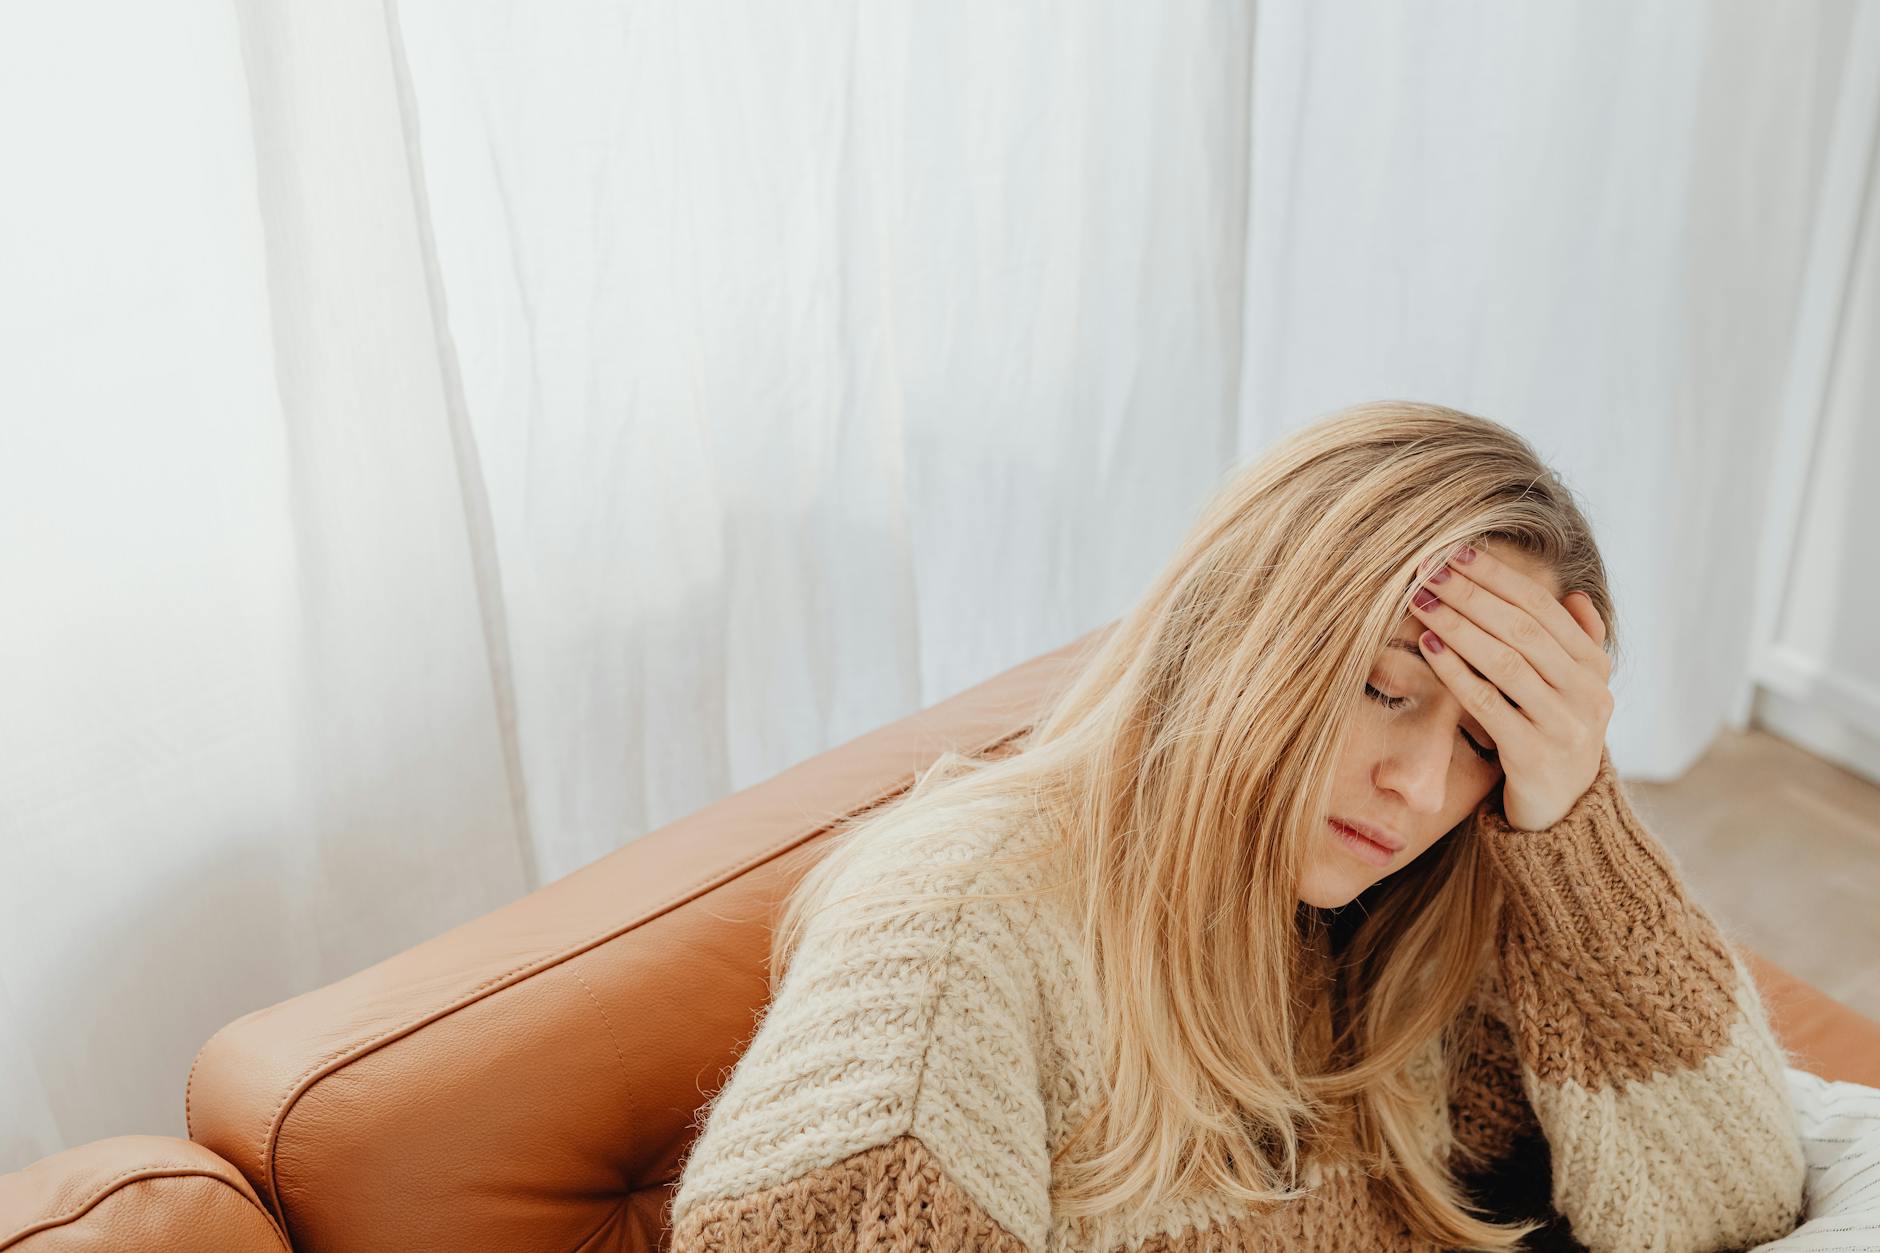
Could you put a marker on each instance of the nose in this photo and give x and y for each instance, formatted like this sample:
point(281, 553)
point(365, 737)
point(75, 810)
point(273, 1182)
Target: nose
point(1416, 767)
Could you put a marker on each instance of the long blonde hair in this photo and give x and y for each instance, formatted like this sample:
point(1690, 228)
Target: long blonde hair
point(1182, 772)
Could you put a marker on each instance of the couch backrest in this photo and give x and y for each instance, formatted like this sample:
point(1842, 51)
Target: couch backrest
point(529, 1080)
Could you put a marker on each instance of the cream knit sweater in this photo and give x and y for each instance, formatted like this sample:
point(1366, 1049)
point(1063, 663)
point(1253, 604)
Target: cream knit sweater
point(906, 1087)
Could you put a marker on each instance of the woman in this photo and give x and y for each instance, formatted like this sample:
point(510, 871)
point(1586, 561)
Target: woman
point(1311, 915)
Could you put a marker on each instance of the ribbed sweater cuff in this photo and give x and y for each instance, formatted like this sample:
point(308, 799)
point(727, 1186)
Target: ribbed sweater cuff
point(1595, 875)
point(1602, 943)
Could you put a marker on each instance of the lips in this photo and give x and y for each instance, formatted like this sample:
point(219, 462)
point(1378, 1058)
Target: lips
point(1377, 835)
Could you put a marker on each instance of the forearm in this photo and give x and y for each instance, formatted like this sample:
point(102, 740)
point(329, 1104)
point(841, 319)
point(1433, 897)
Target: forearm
point(1642, 1041)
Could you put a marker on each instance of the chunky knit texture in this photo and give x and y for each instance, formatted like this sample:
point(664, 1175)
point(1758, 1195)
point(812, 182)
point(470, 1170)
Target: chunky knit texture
point(908, 1084)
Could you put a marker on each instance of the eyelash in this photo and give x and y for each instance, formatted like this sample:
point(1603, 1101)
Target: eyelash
point(1398, 702)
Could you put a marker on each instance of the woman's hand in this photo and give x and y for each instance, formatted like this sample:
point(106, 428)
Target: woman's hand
point(1541, 688)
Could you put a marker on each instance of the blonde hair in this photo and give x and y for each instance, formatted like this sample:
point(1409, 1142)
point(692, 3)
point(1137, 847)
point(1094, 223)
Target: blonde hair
point(1183, 771)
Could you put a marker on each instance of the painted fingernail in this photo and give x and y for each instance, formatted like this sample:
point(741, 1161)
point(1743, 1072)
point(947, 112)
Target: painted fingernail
point(1431, 642)
point(1424, 598)
point(1465, 554)
point(1441, 574)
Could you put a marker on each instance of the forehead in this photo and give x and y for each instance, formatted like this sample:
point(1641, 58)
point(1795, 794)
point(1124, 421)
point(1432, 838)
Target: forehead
point(1410, 627)
point(1527, 563)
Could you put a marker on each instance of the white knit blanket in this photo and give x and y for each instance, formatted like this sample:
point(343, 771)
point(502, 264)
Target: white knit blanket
point(1840, 1128)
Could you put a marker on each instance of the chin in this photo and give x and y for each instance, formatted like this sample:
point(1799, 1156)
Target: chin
point(1328, 891)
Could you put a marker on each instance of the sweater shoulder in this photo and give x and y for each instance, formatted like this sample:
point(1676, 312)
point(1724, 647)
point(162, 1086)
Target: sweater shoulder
point(901, 1052)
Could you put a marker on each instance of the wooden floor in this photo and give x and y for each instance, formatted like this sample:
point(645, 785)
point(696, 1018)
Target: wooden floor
point(1783, 849)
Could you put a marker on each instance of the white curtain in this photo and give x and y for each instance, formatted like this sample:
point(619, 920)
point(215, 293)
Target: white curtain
point(442, 442)
point(1586, 220)
point(248, 736)
point(824, 359)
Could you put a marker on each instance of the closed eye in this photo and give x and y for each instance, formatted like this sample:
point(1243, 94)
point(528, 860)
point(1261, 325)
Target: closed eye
point(1398, 702)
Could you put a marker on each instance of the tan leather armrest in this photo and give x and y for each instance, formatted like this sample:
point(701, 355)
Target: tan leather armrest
point(1832, 1039)
point(134, 1193)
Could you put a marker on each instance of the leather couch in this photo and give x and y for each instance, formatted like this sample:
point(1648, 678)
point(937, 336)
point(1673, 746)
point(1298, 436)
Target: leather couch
point(529, 1080)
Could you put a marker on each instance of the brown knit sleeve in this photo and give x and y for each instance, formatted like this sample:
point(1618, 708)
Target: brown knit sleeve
point(1487, 1106)
point(1640, 1038)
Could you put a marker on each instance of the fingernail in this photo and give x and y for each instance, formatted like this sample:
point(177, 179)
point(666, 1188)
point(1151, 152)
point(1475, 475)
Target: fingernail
point(1424, 598)
point(1465, 554)
point(1431, 642)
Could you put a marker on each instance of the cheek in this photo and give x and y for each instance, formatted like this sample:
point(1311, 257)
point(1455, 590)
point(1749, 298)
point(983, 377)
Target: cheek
point(1488, 774)
point(1371, 728)
point(1487, 779)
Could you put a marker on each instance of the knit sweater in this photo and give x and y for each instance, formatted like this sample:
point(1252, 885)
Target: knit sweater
point(907, 1085)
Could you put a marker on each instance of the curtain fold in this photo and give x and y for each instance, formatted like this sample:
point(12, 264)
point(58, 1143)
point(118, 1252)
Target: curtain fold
point(789, 335)
point(248, 743)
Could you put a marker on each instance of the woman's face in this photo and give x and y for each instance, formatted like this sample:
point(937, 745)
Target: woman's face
point(1413, 772)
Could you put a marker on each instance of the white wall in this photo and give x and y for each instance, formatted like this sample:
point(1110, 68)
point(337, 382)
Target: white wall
point(1816, 673)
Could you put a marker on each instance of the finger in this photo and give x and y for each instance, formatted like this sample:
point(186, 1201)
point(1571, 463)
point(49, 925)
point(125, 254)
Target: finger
point(1501, 663)
point(1515, 737)
point(1581, 606)
point(1519, 588)
point(1510, 623)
